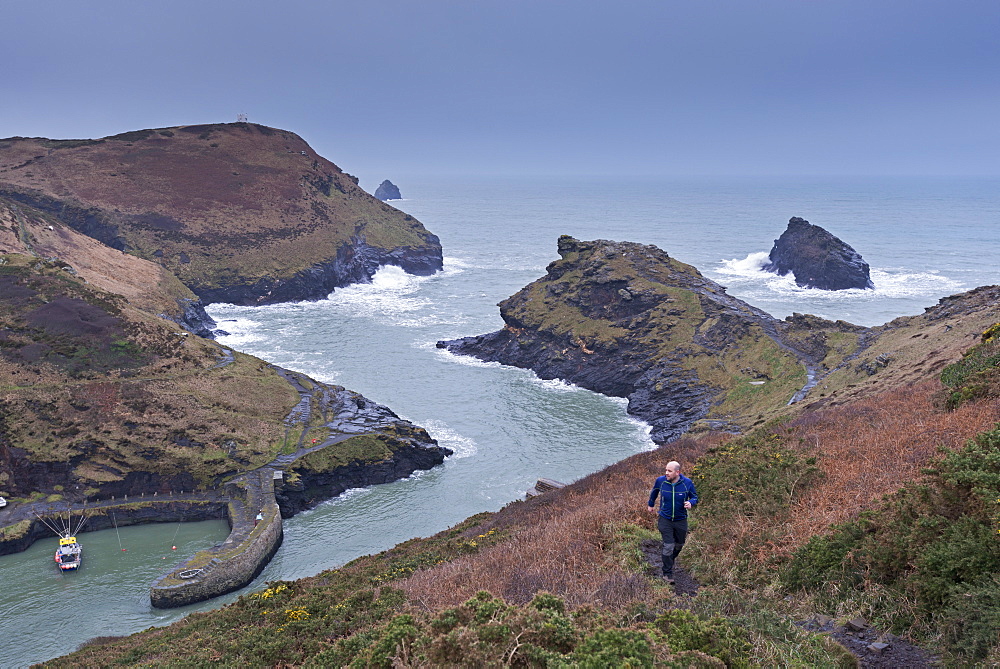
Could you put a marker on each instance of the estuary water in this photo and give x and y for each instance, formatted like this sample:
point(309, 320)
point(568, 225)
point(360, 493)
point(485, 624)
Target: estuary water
point(924, 239)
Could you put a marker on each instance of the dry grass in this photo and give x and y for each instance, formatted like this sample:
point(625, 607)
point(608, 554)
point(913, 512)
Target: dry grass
point(870, 448)
point(565, 541)
point(562, 542)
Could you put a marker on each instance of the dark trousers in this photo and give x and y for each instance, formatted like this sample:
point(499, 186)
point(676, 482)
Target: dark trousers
point(674, 532)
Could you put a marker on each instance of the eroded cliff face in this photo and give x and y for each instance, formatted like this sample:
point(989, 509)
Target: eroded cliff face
point(239, 212)
point(628, 320)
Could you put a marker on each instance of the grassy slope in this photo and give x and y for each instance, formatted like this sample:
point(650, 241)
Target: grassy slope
point(146, 285)
point(765, 496)
point(88, 380)
point(175, 193)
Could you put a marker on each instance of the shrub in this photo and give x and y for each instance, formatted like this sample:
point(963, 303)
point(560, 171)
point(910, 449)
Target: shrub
point(614, 648)
point(686, 631)
point(931, 549)
point(977, 374)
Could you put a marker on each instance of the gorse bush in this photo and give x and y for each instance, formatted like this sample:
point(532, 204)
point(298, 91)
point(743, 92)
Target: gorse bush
point(746, 486)
point(934, 545)
point(752, 476)
point(716, 637)
point(977, 374)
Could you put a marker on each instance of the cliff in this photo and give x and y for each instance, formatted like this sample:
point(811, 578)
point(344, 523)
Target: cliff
point(628, 320)
point(817, 259)
point(239, 212)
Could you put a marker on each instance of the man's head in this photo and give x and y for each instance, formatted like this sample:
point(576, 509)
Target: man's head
point(673, 471)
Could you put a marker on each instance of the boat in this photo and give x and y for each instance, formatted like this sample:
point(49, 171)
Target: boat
point(68, 555)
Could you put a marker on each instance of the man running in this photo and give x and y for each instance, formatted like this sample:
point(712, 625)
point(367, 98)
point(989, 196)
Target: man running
point(677, 495)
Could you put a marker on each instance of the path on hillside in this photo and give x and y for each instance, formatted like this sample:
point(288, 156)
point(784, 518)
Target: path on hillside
point(899, 653)
point(16, 512)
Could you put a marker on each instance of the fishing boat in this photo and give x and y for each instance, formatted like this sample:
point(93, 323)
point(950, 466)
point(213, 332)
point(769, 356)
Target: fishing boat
point(68, 555)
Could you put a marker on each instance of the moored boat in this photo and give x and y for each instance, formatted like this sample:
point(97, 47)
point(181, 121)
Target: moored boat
point(69, 554)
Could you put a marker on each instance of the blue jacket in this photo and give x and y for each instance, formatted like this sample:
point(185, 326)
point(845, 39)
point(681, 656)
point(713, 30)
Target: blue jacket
point(673, 496)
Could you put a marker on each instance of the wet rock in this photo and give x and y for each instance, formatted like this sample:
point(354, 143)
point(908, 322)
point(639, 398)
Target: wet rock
point(817, 259)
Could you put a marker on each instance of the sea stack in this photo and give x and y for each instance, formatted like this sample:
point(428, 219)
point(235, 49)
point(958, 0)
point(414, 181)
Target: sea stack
point(817, 259)
point(387, 191)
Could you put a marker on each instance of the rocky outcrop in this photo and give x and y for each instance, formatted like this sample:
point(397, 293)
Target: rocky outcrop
point(354, 262)
point(817, 259)
point(387, 191)
point(321, 468)
point(238, 212)
point(628, 320)
point(311, 486)
point(195, 319)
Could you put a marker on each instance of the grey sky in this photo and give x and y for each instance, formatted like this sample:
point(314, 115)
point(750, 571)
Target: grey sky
point(530, 87)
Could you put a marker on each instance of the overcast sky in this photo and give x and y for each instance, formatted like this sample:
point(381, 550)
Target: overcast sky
point(529, 87)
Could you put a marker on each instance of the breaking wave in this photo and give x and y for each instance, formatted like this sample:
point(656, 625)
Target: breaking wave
point(747, 276)
point(463, 447)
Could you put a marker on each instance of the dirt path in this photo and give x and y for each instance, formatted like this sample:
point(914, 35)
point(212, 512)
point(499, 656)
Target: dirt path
point(897, 653)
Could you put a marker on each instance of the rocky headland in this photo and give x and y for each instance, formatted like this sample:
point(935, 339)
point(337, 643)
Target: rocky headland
point(817, 259)
point(238, 212)
point(388, 191)
point(627, 320)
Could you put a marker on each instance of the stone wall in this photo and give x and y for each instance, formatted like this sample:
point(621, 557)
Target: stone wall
point(239, 559)
point(147, 510)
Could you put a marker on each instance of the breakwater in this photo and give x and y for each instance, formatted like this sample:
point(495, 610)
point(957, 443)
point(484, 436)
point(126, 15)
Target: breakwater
point(256, 534)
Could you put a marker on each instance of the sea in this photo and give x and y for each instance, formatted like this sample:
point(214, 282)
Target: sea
point(924, 238)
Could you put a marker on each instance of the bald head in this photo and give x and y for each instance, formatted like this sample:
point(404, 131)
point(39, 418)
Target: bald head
point(673, 471)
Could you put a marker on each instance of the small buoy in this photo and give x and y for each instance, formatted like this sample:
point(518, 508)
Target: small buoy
point(124, 549)
point(173, 548)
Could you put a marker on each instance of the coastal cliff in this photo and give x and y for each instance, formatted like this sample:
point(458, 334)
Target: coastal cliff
point(627, 320)
point(239, 212)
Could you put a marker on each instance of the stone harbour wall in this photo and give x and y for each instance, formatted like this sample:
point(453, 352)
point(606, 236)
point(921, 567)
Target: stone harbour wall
point(149, 510)
point(239, 559)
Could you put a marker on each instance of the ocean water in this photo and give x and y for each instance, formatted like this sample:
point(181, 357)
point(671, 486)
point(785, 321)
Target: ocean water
point(924, 239)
